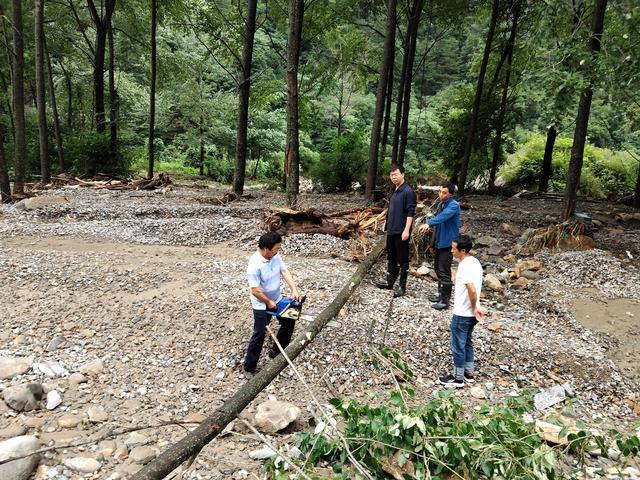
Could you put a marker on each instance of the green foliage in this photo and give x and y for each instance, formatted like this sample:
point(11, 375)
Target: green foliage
point(604, 174)
point(440, 439)
point(344, 165)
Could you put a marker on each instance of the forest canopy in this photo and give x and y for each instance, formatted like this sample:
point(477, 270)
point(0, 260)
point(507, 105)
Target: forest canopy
point(524, 93)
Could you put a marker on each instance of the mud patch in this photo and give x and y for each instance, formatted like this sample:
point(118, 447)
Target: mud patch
point(618, 319)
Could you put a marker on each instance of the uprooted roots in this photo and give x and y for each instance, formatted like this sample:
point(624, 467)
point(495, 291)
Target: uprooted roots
point(554, 236)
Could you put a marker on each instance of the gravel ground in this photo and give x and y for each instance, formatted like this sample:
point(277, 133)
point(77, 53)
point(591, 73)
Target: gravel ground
point(153, 285)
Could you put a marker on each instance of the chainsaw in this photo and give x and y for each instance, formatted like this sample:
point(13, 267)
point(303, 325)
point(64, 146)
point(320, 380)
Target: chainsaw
point(288, 308)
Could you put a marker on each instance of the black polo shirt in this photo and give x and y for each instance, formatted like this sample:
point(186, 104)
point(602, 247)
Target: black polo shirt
point(402, 204)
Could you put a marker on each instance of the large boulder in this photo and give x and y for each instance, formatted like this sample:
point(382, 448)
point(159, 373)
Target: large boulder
point(20, 469)
point(273, 415)
point(23, 398)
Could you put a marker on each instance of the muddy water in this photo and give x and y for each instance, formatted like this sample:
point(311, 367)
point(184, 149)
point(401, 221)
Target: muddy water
point(617, 318)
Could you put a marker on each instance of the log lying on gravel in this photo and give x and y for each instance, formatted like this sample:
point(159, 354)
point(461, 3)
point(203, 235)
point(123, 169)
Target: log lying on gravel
point(194, 441)
point(345, 224)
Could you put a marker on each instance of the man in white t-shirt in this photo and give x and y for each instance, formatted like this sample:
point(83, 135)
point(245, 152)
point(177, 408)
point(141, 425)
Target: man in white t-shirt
point(466, 312)
point(263, 273)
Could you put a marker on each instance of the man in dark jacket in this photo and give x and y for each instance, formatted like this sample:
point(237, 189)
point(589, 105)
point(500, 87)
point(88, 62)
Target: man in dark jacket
point(402, 208)
point(446, 226)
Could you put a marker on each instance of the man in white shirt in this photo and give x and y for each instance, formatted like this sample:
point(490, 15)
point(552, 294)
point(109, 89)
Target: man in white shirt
point(263, 273)
point(466, 312)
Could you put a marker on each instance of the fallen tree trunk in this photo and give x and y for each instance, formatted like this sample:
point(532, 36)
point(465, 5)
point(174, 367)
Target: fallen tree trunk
point(345, 224)
point(210, 427)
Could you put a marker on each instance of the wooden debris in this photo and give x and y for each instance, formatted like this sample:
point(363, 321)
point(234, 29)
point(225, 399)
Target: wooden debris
point(102, 181)
point(562, 236)
point(351, 223)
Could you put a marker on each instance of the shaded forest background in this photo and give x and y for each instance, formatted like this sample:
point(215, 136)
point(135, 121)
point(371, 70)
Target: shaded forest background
point(535, 94)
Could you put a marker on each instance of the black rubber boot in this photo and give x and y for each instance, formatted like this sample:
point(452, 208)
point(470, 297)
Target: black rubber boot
point(443, 304)
point(391, 279)
point(437, 298)
point(401, 289)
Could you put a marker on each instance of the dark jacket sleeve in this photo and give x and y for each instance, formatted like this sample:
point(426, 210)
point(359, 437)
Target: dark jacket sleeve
point(410, 202)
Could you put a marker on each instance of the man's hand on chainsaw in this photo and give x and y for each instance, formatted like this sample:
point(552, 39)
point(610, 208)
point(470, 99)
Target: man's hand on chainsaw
point(271, 305)
point(295, 295)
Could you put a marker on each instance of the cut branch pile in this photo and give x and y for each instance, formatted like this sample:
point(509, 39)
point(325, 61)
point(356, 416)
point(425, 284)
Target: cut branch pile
point(346, 224)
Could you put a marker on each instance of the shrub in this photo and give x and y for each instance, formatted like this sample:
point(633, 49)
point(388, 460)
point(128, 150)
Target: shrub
point(604, 173)
point(344, 165)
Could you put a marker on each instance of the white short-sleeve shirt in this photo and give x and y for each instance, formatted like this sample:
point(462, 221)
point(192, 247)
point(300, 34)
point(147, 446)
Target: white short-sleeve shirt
point(265, 274)
point(469, 271)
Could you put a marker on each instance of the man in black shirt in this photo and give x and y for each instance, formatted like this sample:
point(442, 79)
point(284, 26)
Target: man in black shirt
point(402, 208)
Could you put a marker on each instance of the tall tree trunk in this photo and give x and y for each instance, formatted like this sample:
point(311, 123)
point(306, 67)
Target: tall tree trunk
point(113, 100)
point(152, 95)
point(67, 80)
point(385, 68)
point(54, 105)
point(43, 137)
point(101, 22)
point(4, 83)
point(5, 185)
point(18, 99)
point(582, 118)
point(400, 94)
point(244, 90)
point(292, 155)
point(636, 196)
point(202, 145)
point(387, 106)
point(473, 122)
point(547, 164)
point(406, 104)
point(497, 143)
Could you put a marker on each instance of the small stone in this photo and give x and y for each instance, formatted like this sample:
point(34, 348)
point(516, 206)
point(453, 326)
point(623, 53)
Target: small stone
point(83, 464)
point(495, 250)
point(77, 378)
point(107, 447)
point(94, 367)
point(69, 421)
point(136, 439)
point(34, 422)
point(121, 453)
point(521, 282)
point(50, 369)
point(12, 367)
point(53, 399)
point(494, 326)
point(13, 430)
point(546, 398)
point(477, 392)
point(423, 271)
point(23, 398)
point(273, 415)
point(97, 415)
point(55, 343)
point(142, 455)
point(492, 282)
point(20, 469)
point(262, 454)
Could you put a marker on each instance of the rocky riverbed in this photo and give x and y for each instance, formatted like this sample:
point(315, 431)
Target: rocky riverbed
point(129, 309)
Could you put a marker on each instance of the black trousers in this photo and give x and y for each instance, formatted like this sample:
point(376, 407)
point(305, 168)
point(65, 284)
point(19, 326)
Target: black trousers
point(442, 265)
point(397, 253)
point(261, 319)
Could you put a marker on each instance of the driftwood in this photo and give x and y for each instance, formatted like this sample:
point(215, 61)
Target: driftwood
point(345, 224)
point(161, 180)
point(210, 427)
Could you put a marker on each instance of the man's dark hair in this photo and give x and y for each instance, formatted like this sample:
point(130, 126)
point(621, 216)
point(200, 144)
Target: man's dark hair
point(269, 240)
point(464, 243)
point(395, 166)
point(449, 186)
